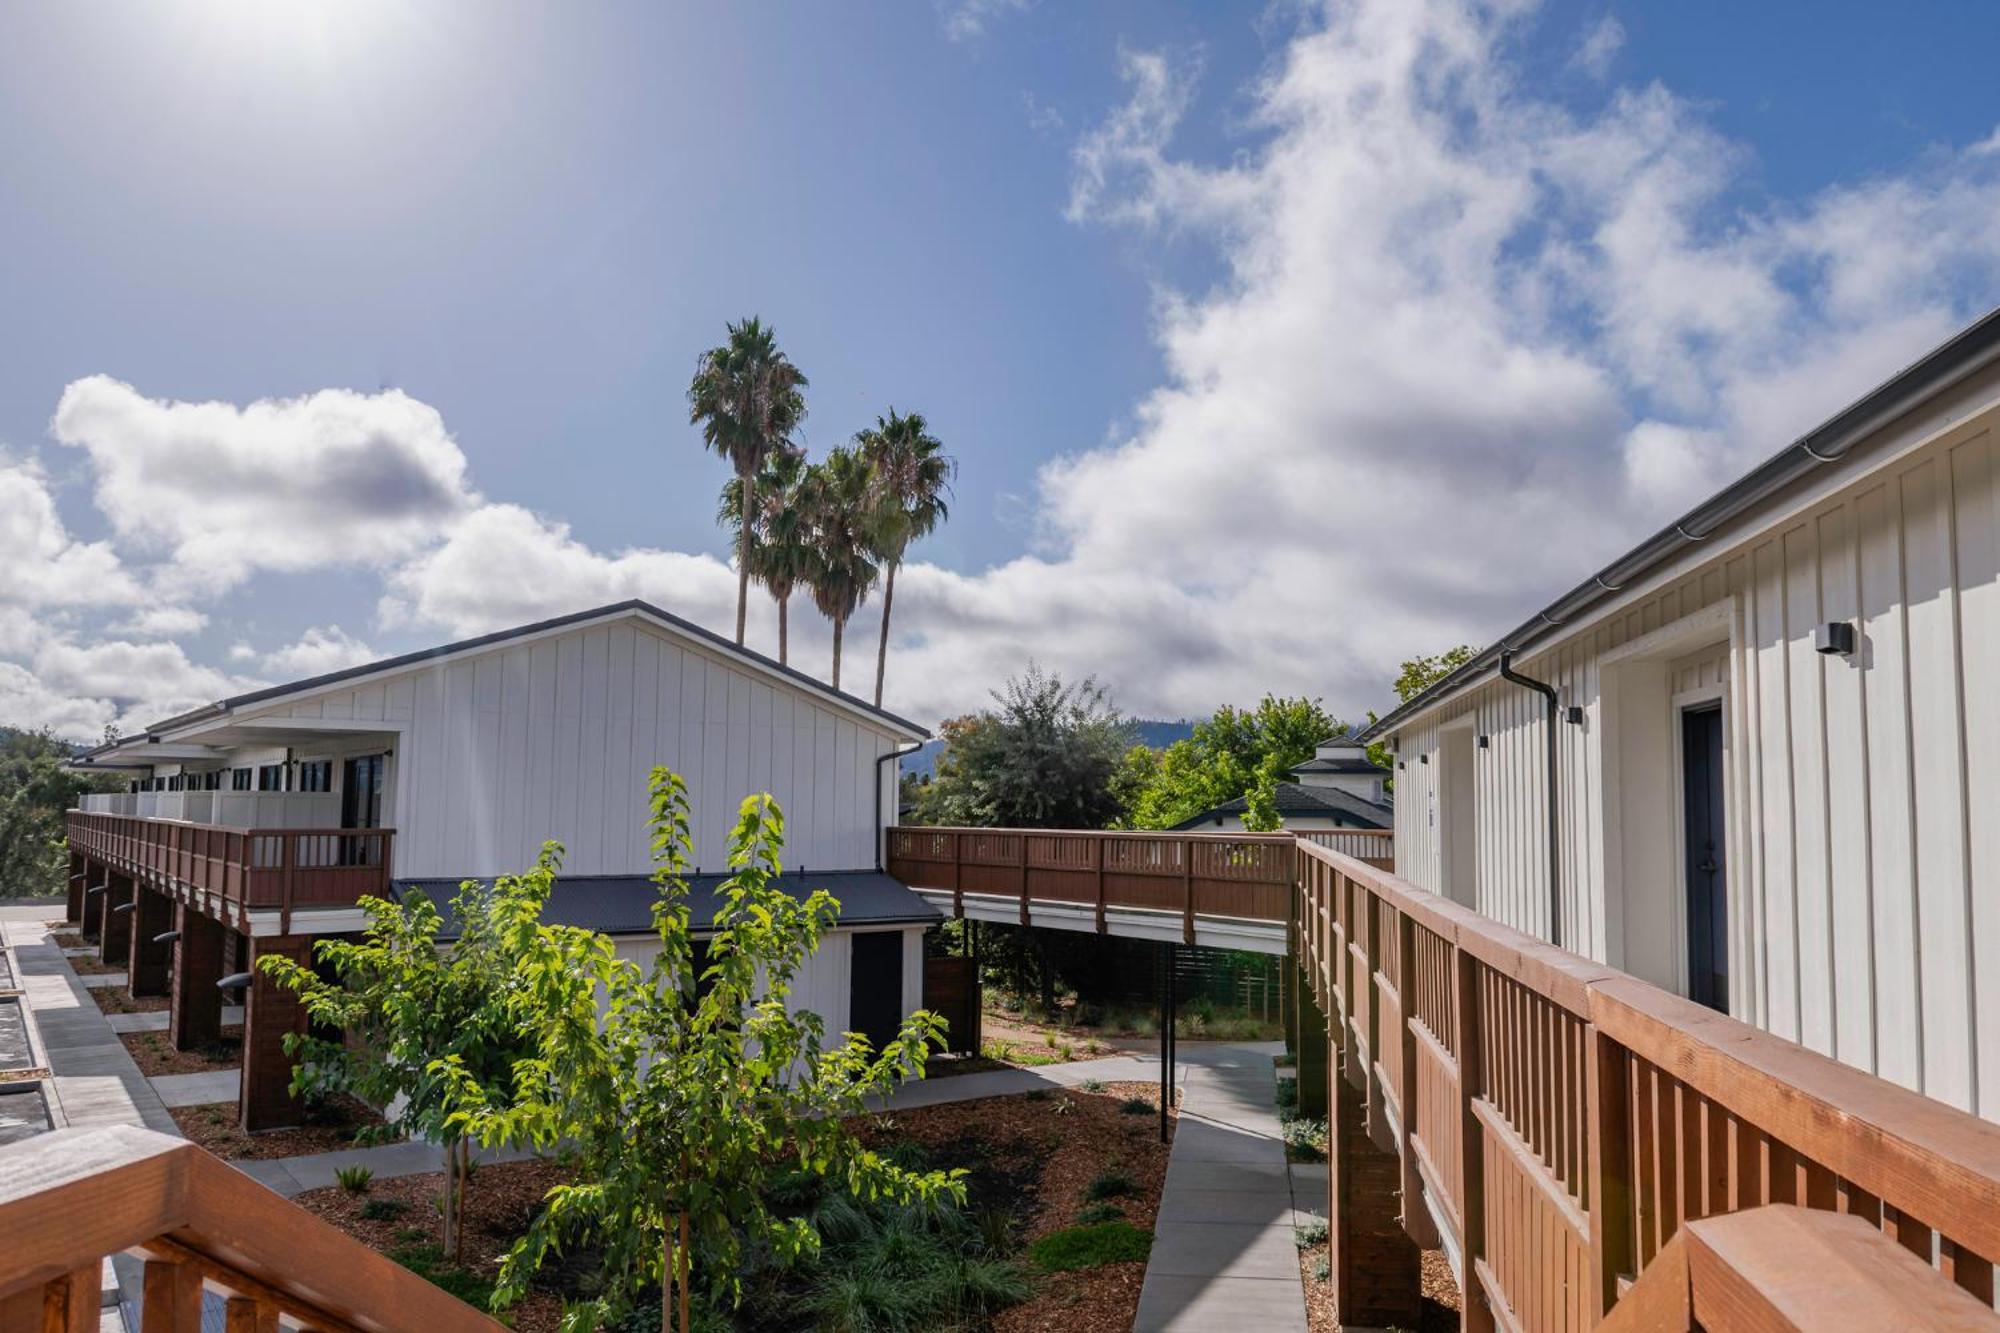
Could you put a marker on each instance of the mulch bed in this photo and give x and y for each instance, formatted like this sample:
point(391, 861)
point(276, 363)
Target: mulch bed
point(1034, 1156)
point(85, 965)
point(114, 1000)
point(499, 1204)
point(1438, 1314)
point(1031, 1156)
point(155, 1055)
point(327, 1128)
point(66, 939)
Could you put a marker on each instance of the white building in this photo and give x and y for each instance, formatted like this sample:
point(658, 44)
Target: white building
point(1339, 787)
point(475, 752)
point(1775, 728)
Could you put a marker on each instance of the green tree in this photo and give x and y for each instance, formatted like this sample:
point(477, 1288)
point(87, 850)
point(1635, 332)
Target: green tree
point(1417, 675)
point(35, 793)
point(781, 538)
point(682, 1091)
point(405, 998)
point(841, 566)
point(909, 477)
point(1047, 755)
point(1236, 753)
point(748, 398)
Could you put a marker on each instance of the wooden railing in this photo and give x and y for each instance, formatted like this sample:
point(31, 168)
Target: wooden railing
point(1376, 846)
point(1242, 876)
point(1568, 1121)
point(242, 869)
point(71, 1198)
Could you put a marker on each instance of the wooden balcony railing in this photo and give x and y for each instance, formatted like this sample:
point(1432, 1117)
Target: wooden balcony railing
point(1245, 876)
point(71, 1198)
point(240, 870)
point(1568, 1121)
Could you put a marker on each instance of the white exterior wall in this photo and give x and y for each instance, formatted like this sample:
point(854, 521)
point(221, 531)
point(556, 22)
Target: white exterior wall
point(1863, 793)
point(824, 984)
point(553, 737)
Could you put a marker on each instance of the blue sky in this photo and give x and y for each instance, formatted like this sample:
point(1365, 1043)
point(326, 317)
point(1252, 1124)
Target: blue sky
point(1167, 279)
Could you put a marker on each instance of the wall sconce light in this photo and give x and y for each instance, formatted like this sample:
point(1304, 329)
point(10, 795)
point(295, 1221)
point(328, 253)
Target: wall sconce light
point(1835, 639)
point(1574, 715)
point(1485, 742)
point(166, 937)
point(124, 907)
point(1423, 759)
point(1401, 764)
point(235, 981)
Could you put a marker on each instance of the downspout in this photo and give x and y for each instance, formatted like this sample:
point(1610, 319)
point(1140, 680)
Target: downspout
point(881, 830)
point(1548, 694)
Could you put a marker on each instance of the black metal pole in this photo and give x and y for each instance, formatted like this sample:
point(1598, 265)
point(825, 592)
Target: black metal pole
point(1173, 1020)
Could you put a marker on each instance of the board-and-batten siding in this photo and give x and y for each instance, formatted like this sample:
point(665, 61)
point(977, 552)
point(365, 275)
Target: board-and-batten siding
point(1863, 794)
point(554, 738)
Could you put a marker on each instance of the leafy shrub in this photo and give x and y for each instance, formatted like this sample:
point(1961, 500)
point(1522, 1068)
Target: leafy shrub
point(1311, 1234)
point(1285, 1060)
point(1305, 1140)
point(1110, 1184)
point(1091, 1085)
point(353, 1179)
point(1099, 1212)
point(1322, 1268)
point(428, 1262)
point(384, 1210)
point(1137, 1106)
point(1089, 1246)
point(1288, 1094)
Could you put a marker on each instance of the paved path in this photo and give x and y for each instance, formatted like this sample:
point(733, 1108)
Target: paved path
point(1224, 1256)
point(92, 1078)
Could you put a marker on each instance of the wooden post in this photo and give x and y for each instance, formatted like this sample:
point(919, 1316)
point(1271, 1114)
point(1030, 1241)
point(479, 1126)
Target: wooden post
point(151, 916)
point(1377, 1268)
point(1023, 860)
point(79, 875)
point(957, 875)
point(1187, 891)
point(194, 1005)
point(1097, 861)
point(172, 1300)
point(114, 932)
point(245, 1314)
point(270, 1013)
point(1609, 1167)
point(1316, 1040)
point(1416, 1217)
point(1474, 1314)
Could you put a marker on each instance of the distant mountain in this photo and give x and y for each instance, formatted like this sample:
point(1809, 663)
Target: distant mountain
point(1155, 732)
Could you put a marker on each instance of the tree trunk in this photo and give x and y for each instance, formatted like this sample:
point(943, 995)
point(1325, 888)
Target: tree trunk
point(451, 1227)
point(839, 624)
point(784, 630)
point(882, 651)
point(748, 517)
point(669, 1271)
point(686, 1273)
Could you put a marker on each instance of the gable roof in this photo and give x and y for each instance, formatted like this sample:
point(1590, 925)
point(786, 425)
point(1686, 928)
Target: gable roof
point(1361, 765)
point(1830, 444)
point(1295, 799)
point(627, 609)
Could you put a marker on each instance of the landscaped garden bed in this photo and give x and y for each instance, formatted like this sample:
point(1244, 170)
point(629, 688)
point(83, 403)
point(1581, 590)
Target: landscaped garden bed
point(114, 1000)
point(1062, 1189)
point(329, 1125)
point(155, 1055)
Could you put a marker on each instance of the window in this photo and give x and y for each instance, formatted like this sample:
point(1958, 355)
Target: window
point(271, 777)
point(175, 782)
point(212, 780)
point(240, 779)
point(316, 775)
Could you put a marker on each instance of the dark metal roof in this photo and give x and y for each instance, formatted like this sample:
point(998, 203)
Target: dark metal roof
point(634, 605)
point(1361, 765)
point(1964, 354)
point(623, 904)
point(1295, 798)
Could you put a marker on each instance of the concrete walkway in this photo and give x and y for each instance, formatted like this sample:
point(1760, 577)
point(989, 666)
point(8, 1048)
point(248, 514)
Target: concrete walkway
point(1224, 1254)
point(93, 1080)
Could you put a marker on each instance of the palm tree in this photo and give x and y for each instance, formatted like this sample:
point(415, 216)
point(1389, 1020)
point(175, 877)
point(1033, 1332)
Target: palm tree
point(781, 538)
point(842, 568)
point(909, 482)
point(747, 398)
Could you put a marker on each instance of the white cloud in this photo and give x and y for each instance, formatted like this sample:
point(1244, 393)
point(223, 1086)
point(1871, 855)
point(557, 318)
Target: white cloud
point(1600, 46)
point(503, 565)
point(163, 622)
point(968, 20)
point(41, 565)
point(78, 687)
point(317, 652)
point(333, 478)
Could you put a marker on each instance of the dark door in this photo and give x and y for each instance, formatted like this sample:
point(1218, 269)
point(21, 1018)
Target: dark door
point(361, 807)
point(1707, 877)
point(875, 991)
point(361, 792)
